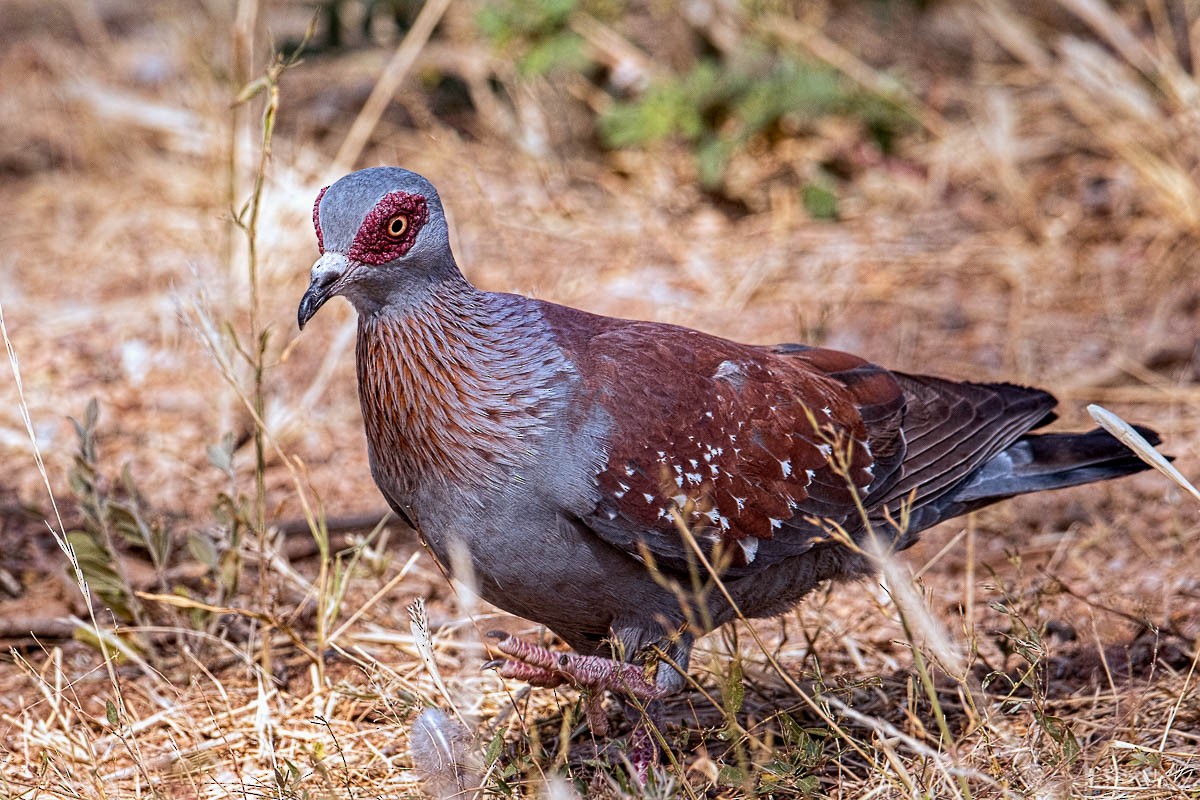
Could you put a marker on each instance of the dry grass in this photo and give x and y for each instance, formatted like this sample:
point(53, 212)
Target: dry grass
point(1040, 227)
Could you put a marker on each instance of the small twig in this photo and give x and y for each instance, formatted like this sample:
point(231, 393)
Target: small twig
point(389, 82)
point(36, 628)
point(1143, 622)
point(351, 522)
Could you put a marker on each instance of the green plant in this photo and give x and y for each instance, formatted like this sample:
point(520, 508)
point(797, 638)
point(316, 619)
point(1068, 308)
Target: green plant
point(110, 518)
point(720, 109)
point(539, 31)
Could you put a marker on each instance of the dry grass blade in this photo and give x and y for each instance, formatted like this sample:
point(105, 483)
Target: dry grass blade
point(389, 82)
point(1138, 444)
point(422, 638)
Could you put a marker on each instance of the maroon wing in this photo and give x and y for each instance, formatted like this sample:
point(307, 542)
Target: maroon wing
point(763, 448)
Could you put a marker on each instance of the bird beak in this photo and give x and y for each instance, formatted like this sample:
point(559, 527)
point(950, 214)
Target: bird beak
point(329, 269)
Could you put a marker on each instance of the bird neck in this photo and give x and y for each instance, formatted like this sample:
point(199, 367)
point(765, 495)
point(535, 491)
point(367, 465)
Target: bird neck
point(456, 387)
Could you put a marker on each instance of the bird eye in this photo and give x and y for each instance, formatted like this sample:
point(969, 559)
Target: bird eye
point(397, 225)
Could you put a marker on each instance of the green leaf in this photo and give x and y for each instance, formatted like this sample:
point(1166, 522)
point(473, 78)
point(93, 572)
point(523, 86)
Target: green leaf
point(220, 458)
point(251, 89)
point(734, 691)
point(110, 712)
point(819, 201)
point(562, 51)
point(202, 549)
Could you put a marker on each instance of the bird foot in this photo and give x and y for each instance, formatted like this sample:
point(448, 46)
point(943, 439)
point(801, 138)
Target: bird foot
point(541, 667)
point(594, 674)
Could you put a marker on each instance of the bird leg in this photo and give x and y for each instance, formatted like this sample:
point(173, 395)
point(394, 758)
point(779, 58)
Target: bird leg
point(595, 675)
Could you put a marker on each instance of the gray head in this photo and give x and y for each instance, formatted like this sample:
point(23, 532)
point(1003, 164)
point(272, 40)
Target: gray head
point(383, 240)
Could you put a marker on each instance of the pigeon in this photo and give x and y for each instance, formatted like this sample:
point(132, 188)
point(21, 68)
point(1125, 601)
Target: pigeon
point(595, 471)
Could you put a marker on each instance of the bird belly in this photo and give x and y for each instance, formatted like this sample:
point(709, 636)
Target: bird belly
point(541, 566)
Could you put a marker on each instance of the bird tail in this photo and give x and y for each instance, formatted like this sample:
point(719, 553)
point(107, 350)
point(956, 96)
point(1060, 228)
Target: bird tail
point(1040, 461)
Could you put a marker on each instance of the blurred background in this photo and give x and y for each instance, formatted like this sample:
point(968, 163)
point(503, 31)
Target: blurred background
point(996, 190)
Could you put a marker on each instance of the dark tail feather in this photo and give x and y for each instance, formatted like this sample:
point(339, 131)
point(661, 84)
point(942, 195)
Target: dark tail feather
point(1034, 463)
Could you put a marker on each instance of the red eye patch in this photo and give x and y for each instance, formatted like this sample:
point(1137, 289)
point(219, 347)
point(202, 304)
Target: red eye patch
point(373, 244)
point(317, 219)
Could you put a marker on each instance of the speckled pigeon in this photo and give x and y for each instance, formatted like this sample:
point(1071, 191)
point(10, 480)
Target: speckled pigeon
point(586, 463)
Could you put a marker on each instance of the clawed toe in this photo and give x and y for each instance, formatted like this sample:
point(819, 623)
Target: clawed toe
point(542, 667)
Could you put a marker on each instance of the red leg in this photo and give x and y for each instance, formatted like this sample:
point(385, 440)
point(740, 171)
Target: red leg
point(542, 667)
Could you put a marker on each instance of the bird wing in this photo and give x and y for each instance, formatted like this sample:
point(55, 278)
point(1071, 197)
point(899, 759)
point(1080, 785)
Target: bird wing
point(765, 448)
point(953, 428)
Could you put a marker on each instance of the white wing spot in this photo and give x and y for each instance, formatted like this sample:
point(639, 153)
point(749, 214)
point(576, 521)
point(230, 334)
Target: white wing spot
point(749, 547)
point(826, 451)
point(649, 497)
point(786, 466)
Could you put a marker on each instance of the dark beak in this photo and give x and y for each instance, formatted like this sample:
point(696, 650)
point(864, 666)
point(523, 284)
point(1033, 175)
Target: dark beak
point(326, 273)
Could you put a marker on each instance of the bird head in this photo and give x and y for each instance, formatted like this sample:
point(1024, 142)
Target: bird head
point(383, 241)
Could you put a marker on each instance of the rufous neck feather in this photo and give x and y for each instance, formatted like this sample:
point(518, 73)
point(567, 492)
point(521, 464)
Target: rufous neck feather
point(456, 388)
